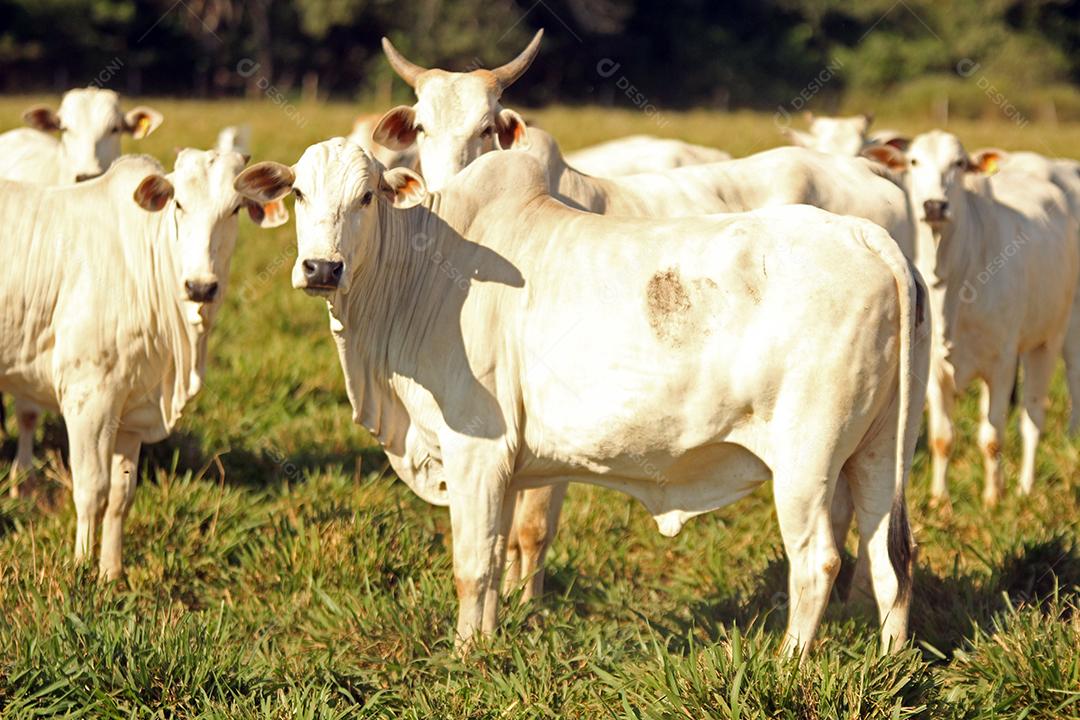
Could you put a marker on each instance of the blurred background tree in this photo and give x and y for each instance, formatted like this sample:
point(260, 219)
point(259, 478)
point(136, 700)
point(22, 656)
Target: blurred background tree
point(760, 54)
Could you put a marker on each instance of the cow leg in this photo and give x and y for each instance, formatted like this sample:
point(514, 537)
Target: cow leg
point(121, 494)
point(842, 511)
point(941, 398)
point(91, 436)
point(22, 469)
point(1071, 352)
point(994, 409)
point(511, 577)
point(477, 507)
point(803, 500)
point(1038, 371)
point(498, 562)
point(873, 481)
point(536, 520)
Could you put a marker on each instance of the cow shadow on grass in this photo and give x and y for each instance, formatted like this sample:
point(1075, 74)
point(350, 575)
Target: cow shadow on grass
point(947, 610)
point(185, 451)
point(257, 466)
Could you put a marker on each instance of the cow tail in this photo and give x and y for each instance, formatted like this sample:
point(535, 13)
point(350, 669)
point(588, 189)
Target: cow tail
point(912, 297)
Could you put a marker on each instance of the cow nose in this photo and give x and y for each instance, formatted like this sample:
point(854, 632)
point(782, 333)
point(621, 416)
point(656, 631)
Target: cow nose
point(935, 210)
point(201, 292)
point(323, 273)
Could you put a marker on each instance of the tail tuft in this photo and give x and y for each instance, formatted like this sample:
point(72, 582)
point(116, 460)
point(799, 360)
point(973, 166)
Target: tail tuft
point(901, 547)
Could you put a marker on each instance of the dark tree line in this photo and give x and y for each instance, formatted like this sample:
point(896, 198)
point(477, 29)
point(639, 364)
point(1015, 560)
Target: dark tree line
point(734, 53)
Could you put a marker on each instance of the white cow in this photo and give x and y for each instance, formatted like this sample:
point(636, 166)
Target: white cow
point(834, 135)
point(783, 176)
point(110, 290)
point(1001, 257)
point(1065, 174)
point(89, 122)
point(641, 154)
point(507, 341)
point(362, 135)
point(457, 116)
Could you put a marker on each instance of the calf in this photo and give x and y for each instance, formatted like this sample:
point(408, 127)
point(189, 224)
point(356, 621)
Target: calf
point(109, 293)
point(1001, 257)
point(89, 123)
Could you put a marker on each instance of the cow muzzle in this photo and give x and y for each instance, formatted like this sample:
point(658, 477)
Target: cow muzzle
point(936, 211)
point(322, 274)
point(201, 292)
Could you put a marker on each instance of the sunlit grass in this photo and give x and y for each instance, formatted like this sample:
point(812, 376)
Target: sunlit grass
point(297, 580)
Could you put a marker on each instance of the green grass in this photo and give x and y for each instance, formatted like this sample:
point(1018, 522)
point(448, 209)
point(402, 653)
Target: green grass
point(276, 570)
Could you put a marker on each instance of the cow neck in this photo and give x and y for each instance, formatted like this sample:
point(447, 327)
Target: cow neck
point(381, 323)
point(946, 259)
point(172, 333)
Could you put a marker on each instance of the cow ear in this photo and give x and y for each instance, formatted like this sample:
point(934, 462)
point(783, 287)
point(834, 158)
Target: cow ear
point(396, 129)
point(986, 161)
point(402, 187)
point(886, 155)
point(897, 141)
point(42, 118)
point(271, 215)
point(153, 193)
point(798, 137)
point(510, 130)
point(142, 121)
point(265, 182)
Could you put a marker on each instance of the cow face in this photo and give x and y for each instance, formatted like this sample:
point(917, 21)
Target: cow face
point(90, 124)
point(834, 135)
point(204, 205)
point(457, 116)
point(341, 194)
point(936, 168)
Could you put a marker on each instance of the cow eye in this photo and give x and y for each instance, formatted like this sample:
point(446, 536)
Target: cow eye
point(366, 199)
point(299, 195)
point(486, 132)
point(419, 128)
point(914, 162)
point(236, 210)
point(960, 163)
point(179, 206)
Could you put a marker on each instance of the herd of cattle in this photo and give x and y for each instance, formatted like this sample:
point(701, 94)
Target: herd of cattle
point(647, 315)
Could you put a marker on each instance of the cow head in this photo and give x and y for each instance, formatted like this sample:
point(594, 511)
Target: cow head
point(937, 169)
point(833, 135)
point(203, 203)
point(90, 124)
point(340, 191)
point(457, 116)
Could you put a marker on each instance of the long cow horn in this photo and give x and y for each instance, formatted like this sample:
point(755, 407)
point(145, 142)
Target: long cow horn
point(511, 71)
point(406, 69)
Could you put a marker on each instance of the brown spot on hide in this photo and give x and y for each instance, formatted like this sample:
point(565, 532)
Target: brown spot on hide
point(681, 312)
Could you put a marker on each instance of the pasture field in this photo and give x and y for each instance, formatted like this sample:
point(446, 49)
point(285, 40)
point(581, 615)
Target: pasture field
point(275, 569)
